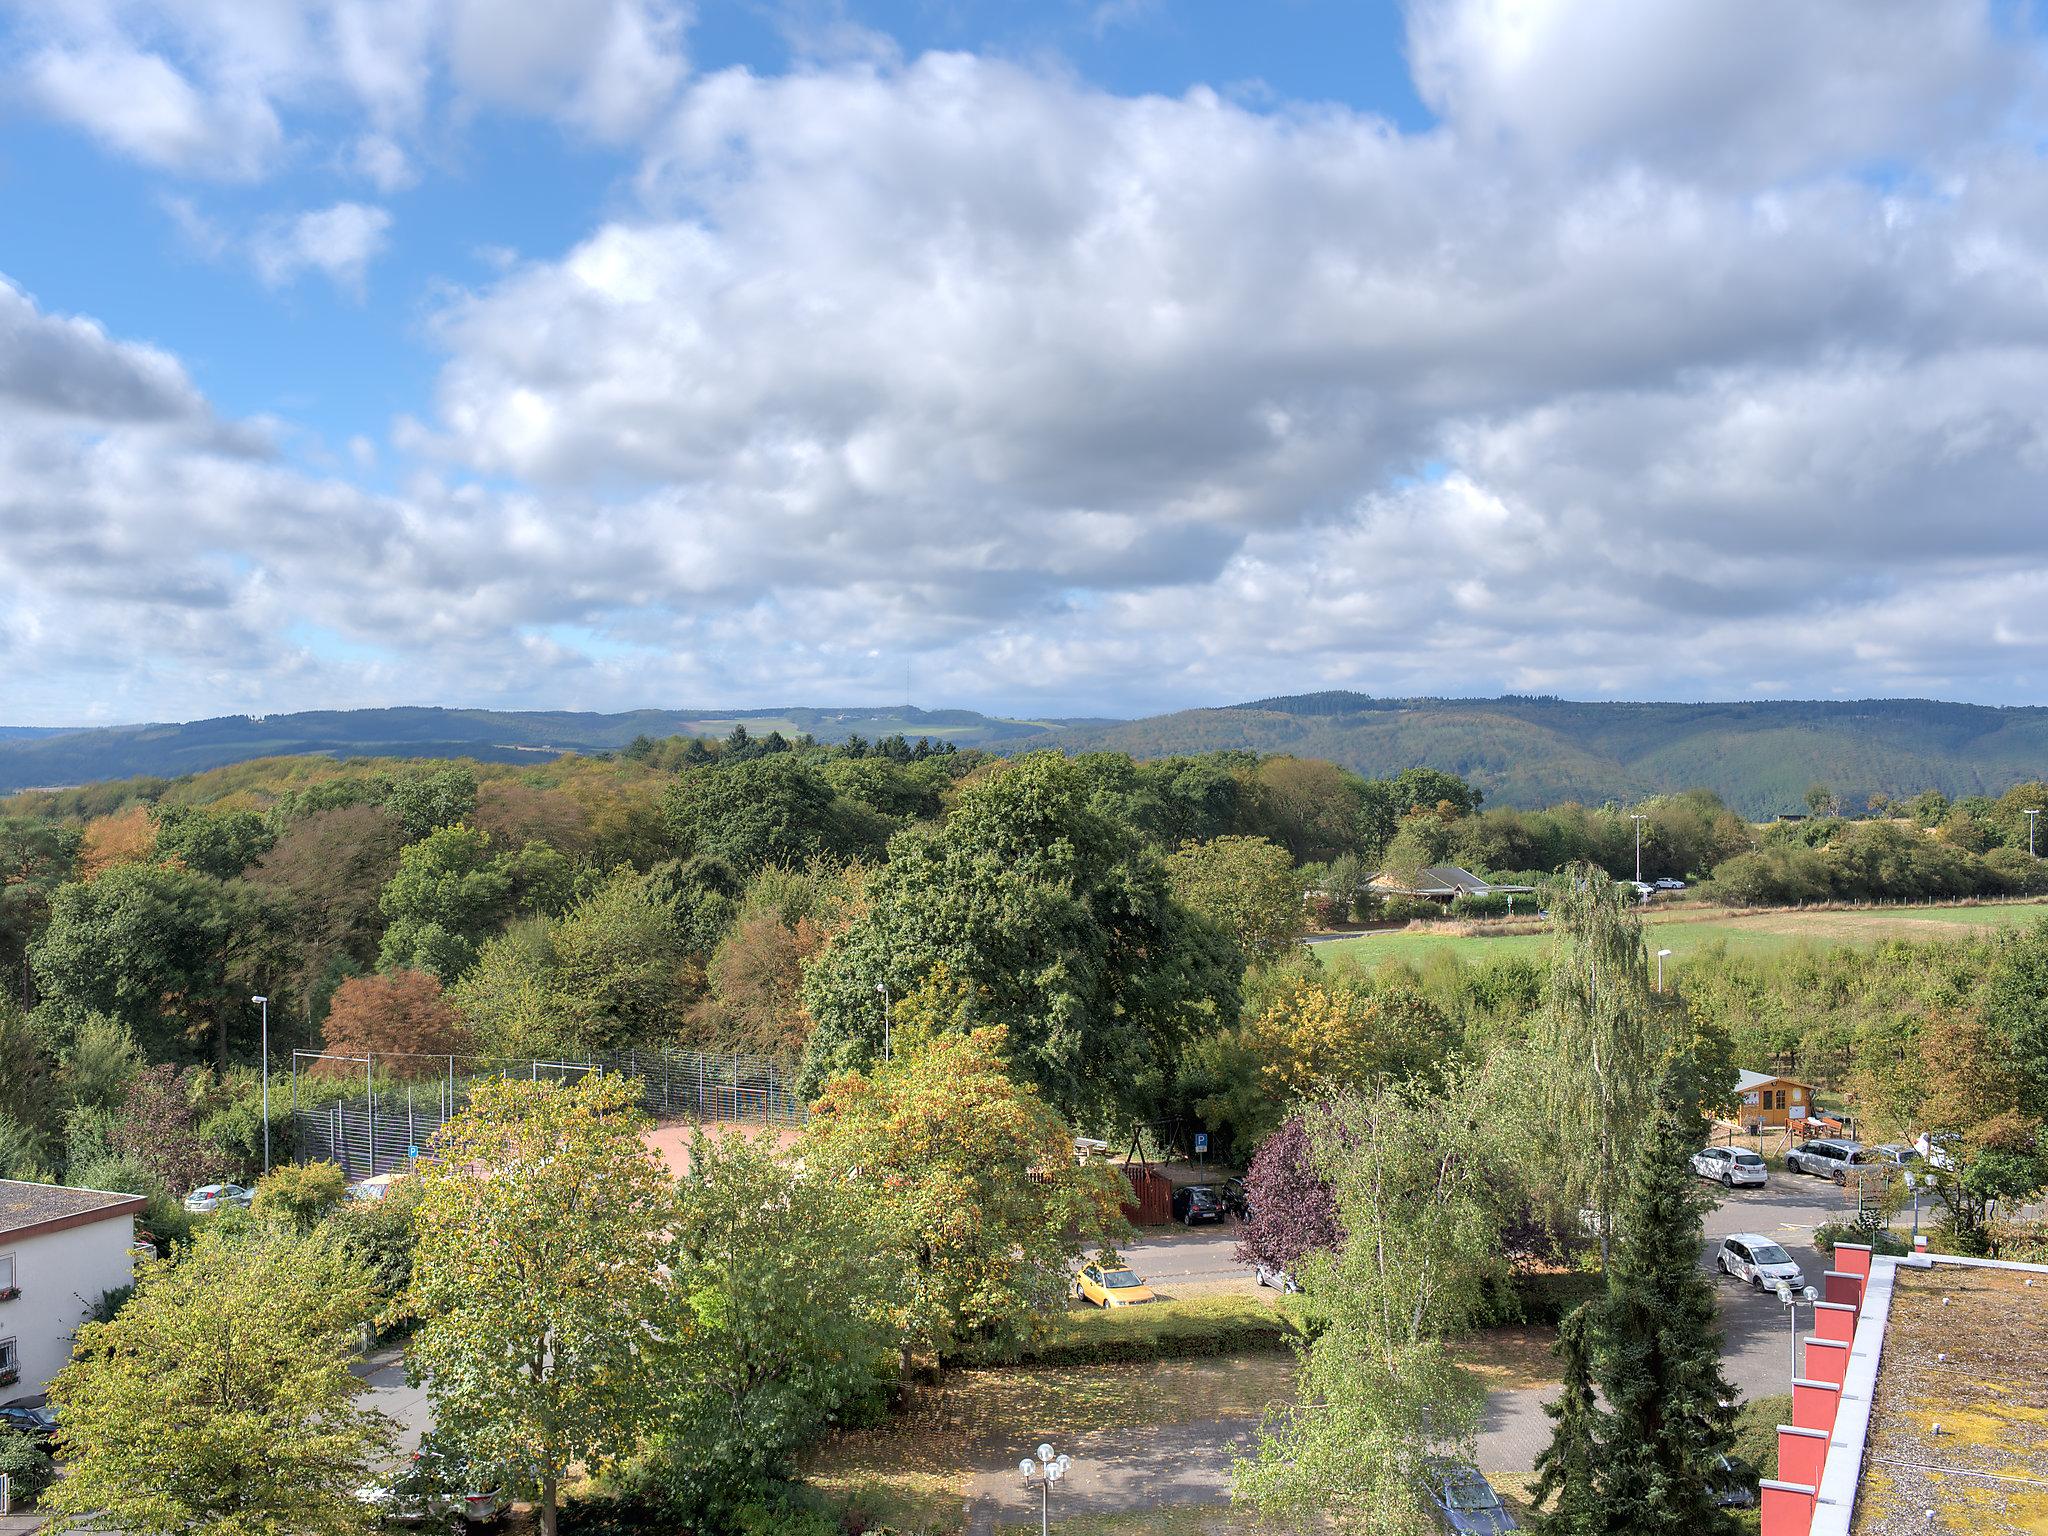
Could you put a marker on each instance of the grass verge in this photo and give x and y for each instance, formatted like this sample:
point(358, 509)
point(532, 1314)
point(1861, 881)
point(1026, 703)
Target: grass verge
point(1174, 1328)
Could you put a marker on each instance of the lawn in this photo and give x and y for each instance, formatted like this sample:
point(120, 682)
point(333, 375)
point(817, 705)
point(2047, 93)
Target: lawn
point(1681, 927)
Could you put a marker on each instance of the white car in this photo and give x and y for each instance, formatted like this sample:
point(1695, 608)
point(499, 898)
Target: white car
point(1753, 1257)
point(1668, 884)
point(208, 1198)
point(1276, 1277)
point(1643, 889)
point(1732, 1166)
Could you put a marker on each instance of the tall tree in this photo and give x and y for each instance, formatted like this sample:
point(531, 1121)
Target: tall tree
point(976, 1177)
point(1245, 887)
point(542, 1237)
point(1656, 1353)
point(785, 1322)
point(220, 1398)
point(210, 842)
point(1567, 1468)
point(1057, 920)
point(35, 858)
point(1603, 1037)
point(767, 810)
point(449, 891)
point(401, 1016)
point(1415, 1176)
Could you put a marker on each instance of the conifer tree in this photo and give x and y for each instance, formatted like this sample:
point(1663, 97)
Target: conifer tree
point(1569, 1465)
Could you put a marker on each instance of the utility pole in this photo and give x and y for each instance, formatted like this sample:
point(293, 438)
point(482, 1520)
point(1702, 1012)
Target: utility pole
point(264, 1004)
point(2030, 832)
point(1639, 818)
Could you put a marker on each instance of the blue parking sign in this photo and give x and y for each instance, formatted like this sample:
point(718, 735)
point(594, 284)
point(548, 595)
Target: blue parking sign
point(1201, 1141)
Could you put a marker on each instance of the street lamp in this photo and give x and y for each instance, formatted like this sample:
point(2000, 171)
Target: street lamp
point(1045, 1471)
point(264, 1004)
point(2030, 832)
point(1662, 956)
point(883, 988)
point(1806, 1295)
point(1914, 1185)
point(1639, 818)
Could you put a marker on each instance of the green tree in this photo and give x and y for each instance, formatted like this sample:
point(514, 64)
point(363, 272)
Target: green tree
point(785, 1323)
point(428, 800)
point(1646, 1464)
point(208, 842)
point(1245, 888)
point(448, 893)
point(35, 858)
point(976, 1178)
point(1057, 920)
point(2016, 1007)
point(220, 1398)
point(1567, 1468)
point(1602, 1039)
point(767, 810)
point(300, 1193)
point(172, 954)
point(542, 1234)
point(1416, 1177)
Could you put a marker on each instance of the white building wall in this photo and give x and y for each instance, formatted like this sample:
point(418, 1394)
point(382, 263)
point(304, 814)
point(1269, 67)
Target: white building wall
point(60, 1276)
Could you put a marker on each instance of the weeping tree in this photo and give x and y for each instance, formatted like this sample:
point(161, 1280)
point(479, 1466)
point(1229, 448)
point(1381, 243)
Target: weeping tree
point(1601, 1041)
point(1416, 1174)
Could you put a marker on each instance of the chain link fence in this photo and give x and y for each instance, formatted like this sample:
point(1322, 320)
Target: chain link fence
point(406, 1099)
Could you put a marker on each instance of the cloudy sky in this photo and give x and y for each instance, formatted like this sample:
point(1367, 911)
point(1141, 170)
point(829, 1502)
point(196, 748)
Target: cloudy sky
point(1128, 355)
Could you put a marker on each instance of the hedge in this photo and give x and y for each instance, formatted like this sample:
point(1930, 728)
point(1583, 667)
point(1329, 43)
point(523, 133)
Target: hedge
point(1176, 1328)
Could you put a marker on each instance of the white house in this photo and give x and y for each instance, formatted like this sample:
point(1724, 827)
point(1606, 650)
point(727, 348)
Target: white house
point(60, 1250)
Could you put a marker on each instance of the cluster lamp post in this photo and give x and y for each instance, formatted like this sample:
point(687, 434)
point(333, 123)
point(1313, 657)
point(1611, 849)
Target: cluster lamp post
point(1793, 1300)
point(1045, 1471)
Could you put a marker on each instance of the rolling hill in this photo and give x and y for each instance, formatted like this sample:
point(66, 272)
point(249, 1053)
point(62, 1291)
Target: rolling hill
point(1521, 751)
point(47, 758)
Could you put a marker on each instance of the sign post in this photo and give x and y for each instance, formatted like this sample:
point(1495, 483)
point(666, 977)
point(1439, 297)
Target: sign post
point(1202, 1147)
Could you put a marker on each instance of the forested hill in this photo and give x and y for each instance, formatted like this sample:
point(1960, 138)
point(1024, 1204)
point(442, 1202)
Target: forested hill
point(1760, 757)
point(39, 758)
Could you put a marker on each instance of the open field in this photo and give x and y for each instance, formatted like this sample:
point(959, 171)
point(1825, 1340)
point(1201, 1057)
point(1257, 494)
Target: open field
point(1680, 928)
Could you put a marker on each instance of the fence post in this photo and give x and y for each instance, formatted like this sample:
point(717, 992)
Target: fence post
point(340, 1142)
point(412, 1131)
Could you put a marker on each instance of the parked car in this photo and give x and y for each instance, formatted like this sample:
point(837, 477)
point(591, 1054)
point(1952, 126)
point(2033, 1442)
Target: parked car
point(208, 1198)
point(1753, 1257)
point(1462, 1500)
point(1731, 1166)
point(374, 1188)
point(1894, 1155)
point(1827, 1158)
point(1278, 1278)
point(1668, 884)
point(1195, 1203)
point(39, 1422)
point(1643, 889)
point(438, 1485)
point(1734, 1482)
point(1111, 1286)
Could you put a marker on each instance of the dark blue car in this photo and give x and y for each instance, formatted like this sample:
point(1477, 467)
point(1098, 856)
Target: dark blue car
point(1462, 1500)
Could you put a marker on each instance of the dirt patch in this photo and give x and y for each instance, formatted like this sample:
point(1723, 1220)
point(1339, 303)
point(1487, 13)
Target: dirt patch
point(1510, 1359)
point(672, 1140)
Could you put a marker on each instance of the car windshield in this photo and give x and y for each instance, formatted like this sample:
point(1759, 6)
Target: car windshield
point(1119, 1279)
point(1769, 1253)
point(1466, 1489)
point(1201, 1195)
point(1748, 1160)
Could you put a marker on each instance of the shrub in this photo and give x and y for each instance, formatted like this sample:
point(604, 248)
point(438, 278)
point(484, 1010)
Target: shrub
point(1880, 1239)
point(300, 1193)
point(1196, 1327)
point(26, 1464)
point(1540, 1297)
point(1409, 909)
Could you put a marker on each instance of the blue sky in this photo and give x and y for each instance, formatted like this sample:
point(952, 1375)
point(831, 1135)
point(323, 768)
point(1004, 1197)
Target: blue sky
point(1078, 357)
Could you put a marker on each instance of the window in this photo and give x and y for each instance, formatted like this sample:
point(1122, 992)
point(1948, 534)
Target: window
point(10, 1358)
point(1738, 1250)
point(6, 1273)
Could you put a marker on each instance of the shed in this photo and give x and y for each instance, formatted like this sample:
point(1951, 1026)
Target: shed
point(1767, 1102)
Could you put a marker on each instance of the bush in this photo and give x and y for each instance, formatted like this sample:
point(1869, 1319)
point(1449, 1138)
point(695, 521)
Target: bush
point(1880, 1239)
point(300, 1193)
point(1756, 1431)
point(27, 1465)
point(1228, 1324)
point(1409, 909)
point(1485, 906)
point(1538, 1297)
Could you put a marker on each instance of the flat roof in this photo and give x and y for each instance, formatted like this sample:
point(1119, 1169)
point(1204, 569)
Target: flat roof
point(1965, 1348)
point(27, 1210)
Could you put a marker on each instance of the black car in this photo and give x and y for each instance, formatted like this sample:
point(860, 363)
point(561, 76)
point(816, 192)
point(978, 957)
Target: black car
point(1237, 1199)
point(40, 1422)
point(1194, 1203)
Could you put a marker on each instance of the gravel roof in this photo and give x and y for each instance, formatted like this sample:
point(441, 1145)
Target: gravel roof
point(1965, 1349)
point(24, 1206)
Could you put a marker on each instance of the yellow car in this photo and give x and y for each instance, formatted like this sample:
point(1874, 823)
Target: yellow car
point(1108, 1287)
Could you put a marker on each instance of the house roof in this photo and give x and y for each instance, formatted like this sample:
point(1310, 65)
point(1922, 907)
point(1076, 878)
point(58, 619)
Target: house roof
point(27, 1210)
point(1744, 1081)
point(1441, 880)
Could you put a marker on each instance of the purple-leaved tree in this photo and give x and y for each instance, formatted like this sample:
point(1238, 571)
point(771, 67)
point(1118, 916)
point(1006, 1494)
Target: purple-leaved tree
point(1292, 1209)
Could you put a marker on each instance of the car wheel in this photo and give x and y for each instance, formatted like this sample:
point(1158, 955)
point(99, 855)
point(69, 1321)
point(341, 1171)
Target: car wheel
point(1728, 1179)
point(1842, 1177)
point(1756, 1281)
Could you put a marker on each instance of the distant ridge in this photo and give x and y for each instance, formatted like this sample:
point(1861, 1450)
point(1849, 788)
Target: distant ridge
point(1521, 750)
point(1526, 750)
point(39, 757)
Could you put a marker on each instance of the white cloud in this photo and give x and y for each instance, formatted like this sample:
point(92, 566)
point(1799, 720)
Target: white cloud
point(139, 105)
point(338, 242)
point(1050, 397)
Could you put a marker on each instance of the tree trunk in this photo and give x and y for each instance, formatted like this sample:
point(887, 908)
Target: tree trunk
point(548, 1513)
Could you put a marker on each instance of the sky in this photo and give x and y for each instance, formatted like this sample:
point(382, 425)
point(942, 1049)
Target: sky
point(1079, 357)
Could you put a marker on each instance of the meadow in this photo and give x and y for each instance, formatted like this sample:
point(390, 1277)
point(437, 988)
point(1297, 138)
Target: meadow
point(1683, 927)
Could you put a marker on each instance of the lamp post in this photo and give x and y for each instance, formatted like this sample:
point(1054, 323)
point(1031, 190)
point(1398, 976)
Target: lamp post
point(2030, 832)
point(1662, 955)
point(1045, 1471)
point(1806, 1295)
point(883, 988)
point(1639, 818)
point(1913, 1184)
point(264, 1004)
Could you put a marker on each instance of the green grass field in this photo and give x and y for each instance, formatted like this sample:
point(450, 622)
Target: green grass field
point(1680, 930)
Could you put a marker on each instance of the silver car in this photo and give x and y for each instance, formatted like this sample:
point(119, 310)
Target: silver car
point(208, 1198)
point(1753, 1257)
point(1732, 1166)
